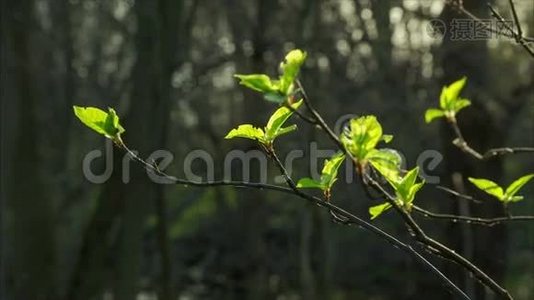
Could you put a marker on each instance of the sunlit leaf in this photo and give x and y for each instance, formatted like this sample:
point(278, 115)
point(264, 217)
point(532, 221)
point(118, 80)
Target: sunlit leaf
point(307, 183)
point(387, 138)
point(330, 169)
point(412, 191)
point(387, 162)
point(258, 82)
point(517, 185)
point(516, 198)
point(363, 135)
point(105, 123)
point(406, 190)
point(277, 120)
point(290, 68)
point(461, 103)
point(246, 131)
point(450, 93)
point(488, 186)
point(377, 210)
point(274, 97)
point(433, 113)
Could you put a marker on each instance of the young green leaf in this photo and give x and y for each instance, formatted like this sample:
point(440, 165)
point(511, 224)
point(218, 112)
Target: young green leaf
point(330, 169)
point(290, 69)
point(328, 175)
point(363, 135)
point(450, 93)
point(258, 82)
point(276, 91)
point(272, 130)
point(309, 183)
point(277, 120)
point(377, 210)
point(407, 188)
point(488, 186)
point(514, 188)
point(433, 113)
point(105, 123)
point(386, 161)
point(247, 131)
point(274, 97)
point(460, 103)
point(387, 138)
point(449, 102)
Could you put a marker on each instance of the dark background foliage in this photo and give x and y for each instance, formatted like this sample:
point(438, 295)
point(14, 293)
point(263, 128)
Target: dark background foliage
point(167, 67)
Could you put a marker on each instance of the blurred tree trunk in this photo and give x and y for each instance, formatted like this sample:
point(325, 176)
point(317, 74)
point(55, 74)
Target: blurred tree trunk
point(31, 227)
point(147, 123)
point(486, 247)
point(128, 205)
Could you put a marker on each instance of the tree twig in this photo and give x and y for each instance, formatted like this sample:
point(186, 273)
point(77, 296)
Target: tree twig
point(516, 35)
point(457, 194)
point(462, 144)
point(347, 218)
point(471, 220)
point(415, 230)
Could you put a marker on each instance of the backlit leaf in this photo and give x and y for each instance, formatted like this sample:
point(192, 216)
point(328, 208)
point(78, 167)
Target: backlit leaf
point(258, 82)
point(517, 185)
point(246, 131)
point(377, 210)
point(433, 113)
point(105, 123)
point(488, 186)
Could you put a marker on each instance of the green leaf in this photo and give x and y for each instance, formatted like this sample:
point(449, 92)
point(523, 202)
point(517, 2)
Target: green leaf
point(433, 113)
point(363, 135)
point(285, 130)
point(450, 94)
point(377, 210)
point(274, 97)
point(460, 104)
point(247, 131)
point(517, 185)
point(406, 184)
point(277, 120)
point(307, 183)
point(290, 68)
point(516, 199)
point(105, 123)
point(387, 162)
point(387, 138)
point(258, 82)
point(412, 191)
point(330, 169)
point(111, 125)
point(488, 186)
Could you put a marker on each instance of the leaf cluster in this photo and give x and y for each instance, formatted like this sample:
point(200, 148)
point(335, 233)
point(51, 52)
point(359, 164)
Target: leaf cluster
point(507, 195)
point(450, 102)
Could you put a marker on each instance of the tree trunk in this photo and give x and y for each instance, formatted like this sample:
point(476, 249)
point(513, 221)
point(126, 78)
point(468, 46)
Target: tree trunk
point(31, 227)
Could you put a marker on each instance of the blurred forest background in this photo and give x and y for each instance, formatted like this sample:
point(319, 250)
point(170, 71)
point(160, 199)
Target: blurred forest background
point(167, 67)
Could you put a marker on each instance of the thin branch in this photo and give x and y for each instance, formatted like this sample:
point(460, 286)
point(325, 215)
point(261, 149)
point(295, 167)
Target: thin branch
point(516, 19)
point(446, 252)
point(319, 119)
point(414, 229)
point(302, 116)
point(462, 144)
point(516, 35)
point(471, 220)
point(348, 218)
point(457, 194)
